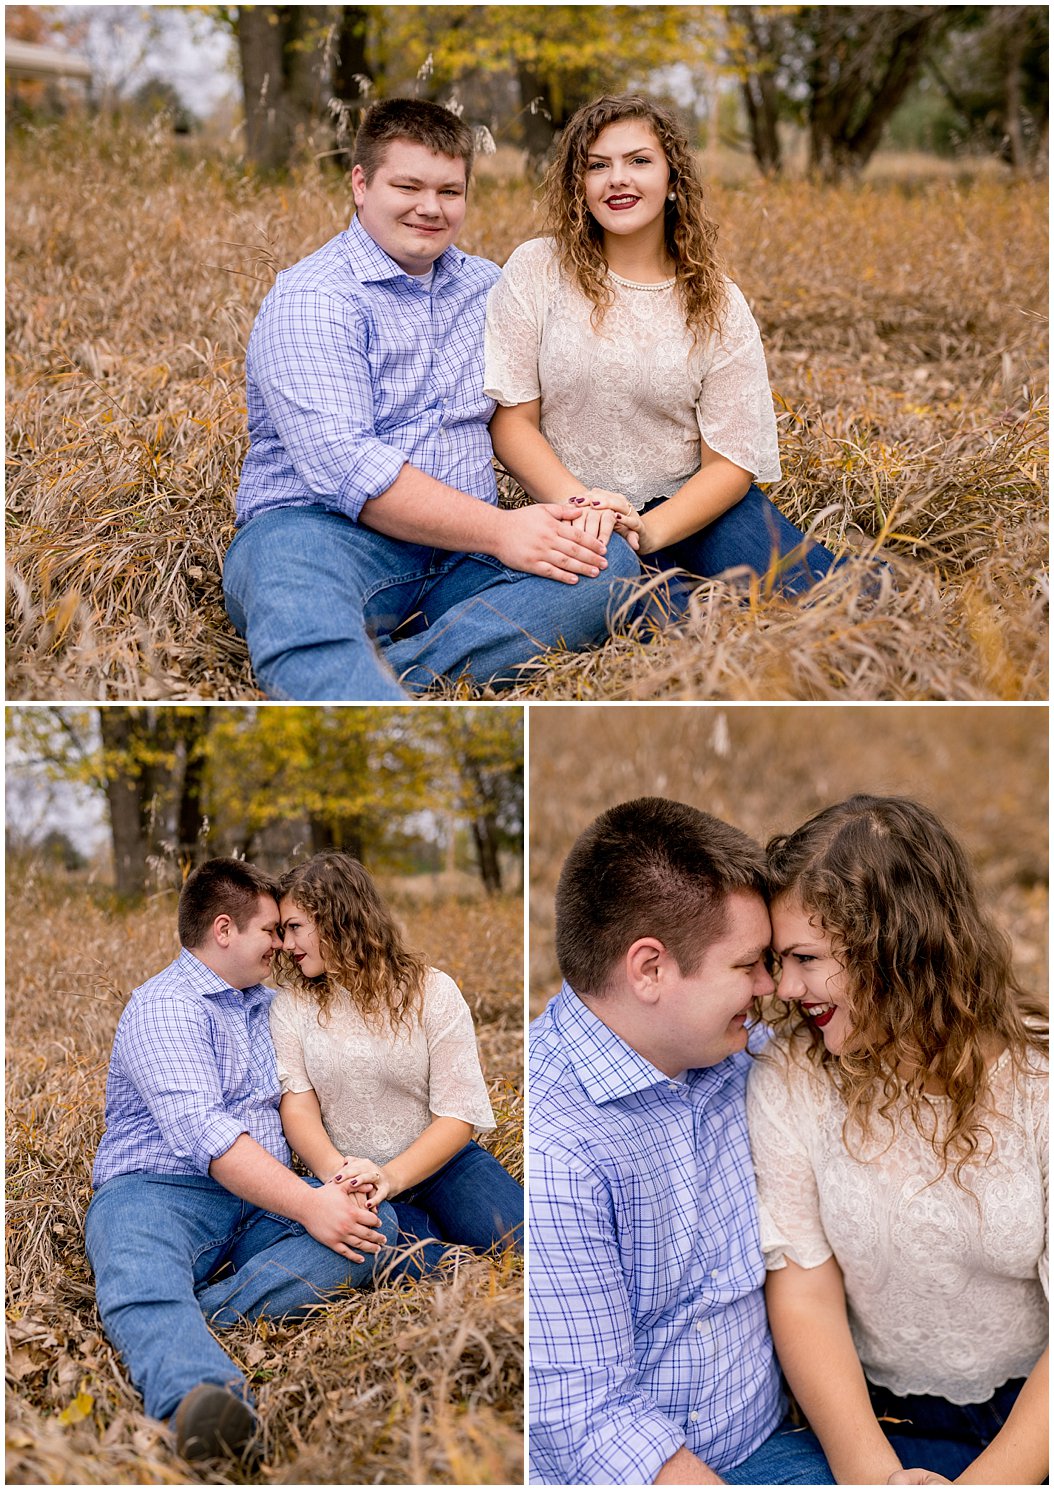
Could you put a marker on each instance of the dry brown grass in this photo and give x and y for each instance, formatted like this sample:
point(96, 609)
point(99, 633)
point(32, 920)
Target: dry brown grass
point(905, 326)
point(412, 1384)
point(766, 769)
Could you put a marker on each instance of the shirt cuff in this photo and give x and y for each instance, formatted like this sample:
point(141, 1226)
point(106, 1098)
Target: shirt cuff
point(376, 466)
point(214, 1139)
point(632, 1455)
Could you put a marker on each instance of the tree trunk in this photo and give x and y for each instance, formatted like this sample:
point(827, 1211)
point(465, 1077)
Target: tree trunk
point(122, 796)
point(1015, 54)
point(485, 838)
point(268, 137)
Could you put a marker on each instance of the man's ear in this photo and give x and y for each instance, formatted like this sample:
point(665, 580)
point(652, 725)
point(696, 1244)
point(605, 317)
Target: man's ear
point(358, 184)
point(643, 964)
point(221, 930)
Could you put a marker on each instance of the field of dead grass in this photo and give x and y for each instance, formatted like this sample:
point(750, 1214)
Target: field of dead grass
point(983, 770)
point(414, 1384)
point(906, 334)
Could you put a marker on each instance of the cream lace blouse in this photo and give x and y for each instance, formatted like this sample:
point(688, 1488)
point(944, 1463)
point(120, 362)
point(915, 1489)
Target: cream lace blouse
point(947, 1296)
point(378, 1092)
point(624, 406)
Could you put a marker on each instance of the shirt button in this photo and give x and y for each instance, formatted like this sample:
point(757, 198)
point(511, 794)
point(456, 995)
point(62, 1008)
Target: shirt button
point(714, 1273)
point(693, 1417)
point(703, 1327)
point(672, 1085)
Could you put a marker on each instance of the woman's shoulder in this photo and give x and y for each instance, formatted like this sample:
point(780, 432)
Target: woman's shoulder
point(535, 258)
point(285, 1007)
point(785, 1071)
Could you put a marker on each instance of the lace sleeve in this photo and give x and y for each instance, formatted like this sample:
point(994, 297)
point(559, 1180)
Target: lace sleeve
point(788, 1200)
point(288, 1046)
point(514, 326)
point(734, 411)
point(1041, 1129)
point(455, 1081)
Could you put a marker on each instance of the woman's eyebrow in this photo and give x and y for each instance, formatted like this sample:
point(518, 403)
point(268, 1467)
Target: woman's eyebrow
point(641, 150)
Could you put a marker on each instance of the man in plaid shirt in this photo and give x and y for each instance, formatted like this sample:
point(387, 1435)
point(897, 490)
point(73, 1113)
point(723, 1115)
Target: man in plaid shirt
point(651, 1359)
point(371, 556)
point(197, 1219)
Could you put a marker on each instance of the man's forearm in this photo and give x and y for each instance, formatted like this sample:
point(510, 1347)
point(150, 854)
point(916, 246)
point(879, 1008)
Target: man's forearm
point(250, 1172)
point(417, 508)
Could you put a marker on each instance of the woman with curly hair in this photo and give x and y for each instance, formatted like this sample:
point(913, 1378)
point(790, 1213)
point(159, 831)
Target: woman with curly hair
point(378, 1065)
point(899, 1128)
point(628, 370)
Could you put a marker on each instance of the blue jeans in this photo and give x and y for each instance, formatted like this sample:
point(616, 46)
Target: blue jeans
point(316, 595)
point(942, 1436)
point(790, 1456)
point(472, 1202)
point(753, 533)
point(156, 1241)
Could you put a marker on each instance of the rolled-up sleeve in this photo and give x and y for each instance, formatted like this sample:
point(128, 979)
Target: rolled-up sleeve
point(308, 359)
point(591, 1423)
point(167, 1054)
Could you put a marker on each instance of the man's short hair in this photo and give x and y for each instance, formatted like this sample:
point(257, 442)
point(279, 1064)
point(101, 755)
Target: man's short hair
point(414, 119)
point(655, 868)
point(220, 887)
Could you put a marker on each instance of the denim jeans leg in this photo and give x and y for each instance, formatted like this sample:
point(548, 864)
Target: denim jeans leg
point(306, 588)
point(753, 533)
point(790, 1456)
point(149, 1239)
point(486, 621)
point(282, 1272)
point(473, 1201)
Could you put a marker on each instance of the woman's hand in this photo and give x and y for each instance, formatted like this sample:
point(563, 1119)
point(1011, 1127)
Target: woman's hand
point(917, 1477)
point(616, 513)
point(362, 1174)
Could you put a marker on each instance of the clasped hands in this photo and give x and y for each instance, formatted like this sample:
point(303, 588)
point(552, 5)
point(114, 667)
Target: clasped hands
point(362, 1176)
point(605, 512)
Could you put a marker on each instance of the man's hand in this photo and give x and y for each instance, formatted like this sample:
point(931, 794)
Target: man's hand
point(917, 1477)
point(542, 539)
point(340, 1221)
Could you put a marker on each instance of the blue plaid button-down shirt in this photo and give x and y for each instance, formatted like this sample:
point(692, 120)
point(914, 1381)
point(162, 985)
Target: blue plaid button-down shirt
point(355, 367)
point(647, 1317)
point(192, 1068)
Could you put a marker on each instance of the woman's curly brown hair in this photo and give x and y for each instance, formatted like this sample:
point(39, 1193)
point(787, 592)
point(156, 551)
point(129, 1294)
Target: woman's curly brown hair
point(691, 233)
point(358, 939)
point(931, 988)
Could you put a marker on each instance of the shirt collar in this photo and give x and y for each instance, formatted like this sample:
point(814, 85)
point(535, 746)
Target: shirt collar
point(372, 265)
point(607, 1067)
point(209, 983)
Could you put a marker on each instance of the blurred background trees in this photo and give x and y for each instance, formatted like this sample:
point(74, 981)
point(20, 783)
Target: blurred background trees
point(843, 81)
point(408, 791)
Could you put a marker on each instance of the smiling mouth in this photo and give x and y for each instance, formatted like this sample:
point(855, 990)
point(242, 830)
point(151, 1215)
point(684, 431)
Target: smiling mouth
point(619, 204)
point(820, 1014)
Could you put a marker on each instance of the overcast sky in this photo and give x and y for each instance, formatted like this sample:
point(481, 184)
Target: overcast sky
point(126, 44)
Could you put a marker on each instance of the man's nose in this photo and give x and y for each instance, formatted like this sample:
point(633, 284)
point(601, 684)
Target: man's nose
point(428, 204)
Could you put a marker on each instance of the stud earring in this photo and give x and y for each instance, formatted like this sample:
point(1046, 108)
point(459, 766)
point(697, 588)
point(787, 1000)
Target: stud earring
point(671, 196)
